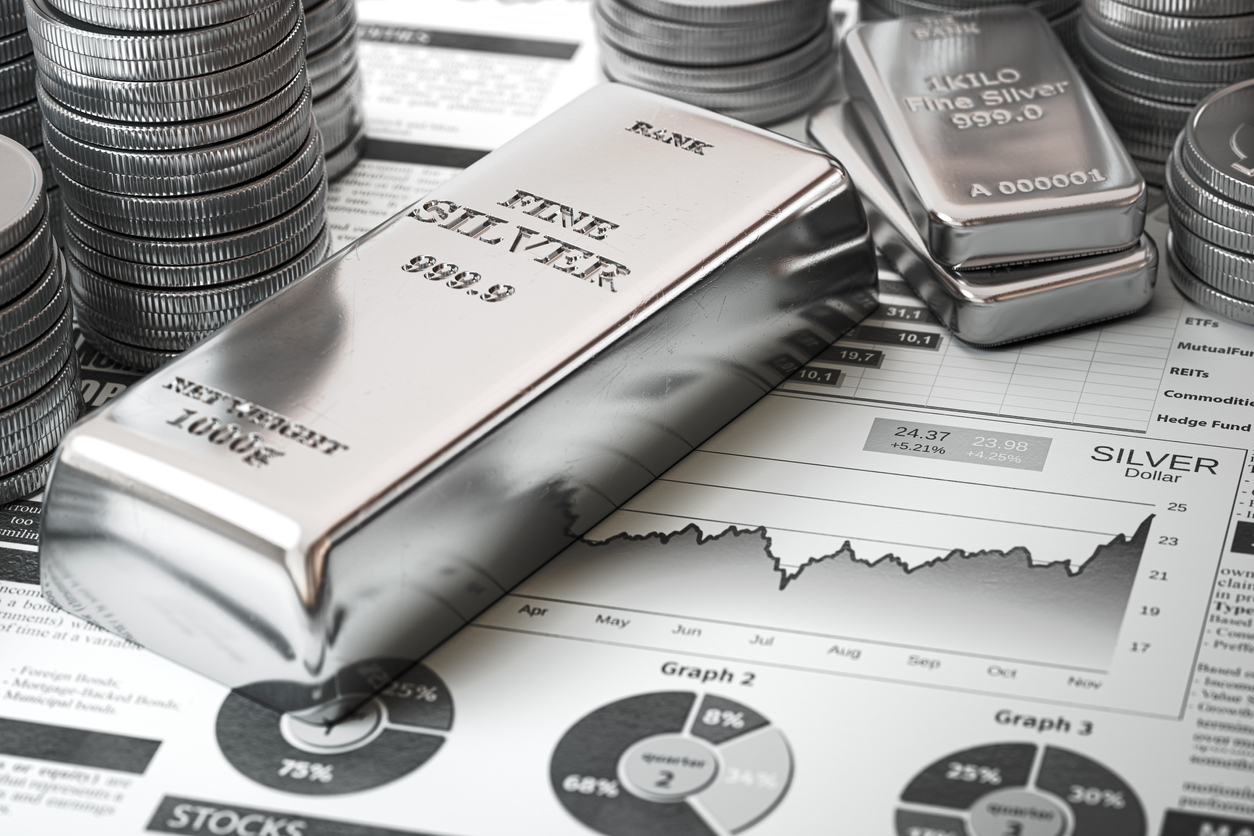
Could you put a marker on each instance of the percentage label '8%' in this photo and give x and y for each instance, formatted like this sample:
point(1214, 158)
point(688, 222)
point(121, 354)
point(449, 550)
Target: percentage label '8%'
point(958, 444)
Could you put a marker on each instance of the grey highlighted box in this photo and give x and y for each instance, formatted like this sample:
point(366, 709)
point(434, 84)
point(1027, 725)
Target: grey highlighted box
point(958, 444)
point(79, 747)
point(190, 815)
point(818, 376)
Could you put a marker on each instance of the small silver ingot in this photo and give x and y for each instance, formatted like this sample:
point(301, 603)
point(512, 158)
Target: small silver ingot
point(1004, 154)
point(983, 307)
point(359, 465)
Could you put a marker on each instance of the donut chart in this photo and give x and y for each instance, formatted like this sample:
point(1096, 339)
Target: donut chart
point(391, 735)
point(671, 763)
point(1022, 789)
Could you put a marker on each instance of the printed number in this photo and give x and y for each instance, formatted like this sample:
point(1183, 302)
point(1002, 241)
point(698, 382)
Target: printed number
point(747, 678)
point(455, 277)
point(1177, 506)
point(1156, 575)
point(1007, 444)
point(1140, 647)
point(1150, 611)
point(1168, 541)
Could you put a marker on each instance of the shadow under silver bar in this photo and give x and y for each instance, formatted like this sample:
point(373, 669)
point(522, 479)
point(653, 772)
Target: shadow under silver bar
point(1004, 154)
point(333, 484)
point(993, 306)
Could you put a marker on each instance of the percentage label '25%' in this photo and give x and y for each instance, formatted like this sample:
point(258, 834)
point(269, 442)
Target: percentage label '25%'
point(960, 444)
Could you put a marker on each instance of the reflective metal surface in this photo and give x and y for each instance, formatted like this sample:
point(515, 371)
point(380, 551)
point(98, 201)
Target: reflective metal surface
point(1004, 155)
point(983, 307)
point(369, 458)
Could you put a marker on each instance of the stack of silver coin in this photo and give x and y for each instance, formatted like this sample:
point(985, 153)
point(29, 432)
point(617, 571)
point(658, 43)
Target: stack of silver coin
point(761, 61)
point(1210, 199)
point(1063, 15)
point(40, 385)
point(1150, 61)
point(19, 112)
point(331, 33)
point(193, 180)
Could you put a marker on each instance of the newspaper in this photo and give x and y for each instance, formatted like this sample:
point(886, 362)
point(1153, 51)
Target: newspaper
point(919, 589)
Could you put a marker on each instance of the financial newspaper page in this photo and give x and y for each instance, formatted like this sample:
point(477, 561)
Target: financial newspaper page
point(921, 589)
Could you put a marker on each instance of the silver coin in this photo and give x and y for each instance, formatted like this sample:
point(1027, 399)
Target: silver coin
point(188, 252)
point(1194, 8)
point(19, 424)
point(17, 83)
point(35, 311)
point(139, 358)
point(33, 443)
point(52, 428)
point(158, 18)
point(1208, 297)
point(25, 482)
point(117, 298)
point(1191, 37)
point(22, 201)
point(786, 90)
point(716, 47)
point(1227, 271)
point(22, 364)
point(342, 159)
point(42, 156)
point(63, 412)
point(1207, 71)
point(638, 71)
point(1141, 84)
point(786, 109)
point(323, 28)
point(11, 24)
point(338, 114)
point(334, 63)
point(165, 69)
point(241, 38)
point(209, 321)
point(1203, 227)
point(13, 47)
point(1146, 120)
point(180, 100)
point(725, 11)
point(152, 339)
point(22, 266)
point(56, 348)
point(1067, 28)
point(208, 215)
point(169, 136)
point(242, 266)
point(224, 177)
point(1218, 146)
point(1206, 203)
point(22, 124)
point(281, 137)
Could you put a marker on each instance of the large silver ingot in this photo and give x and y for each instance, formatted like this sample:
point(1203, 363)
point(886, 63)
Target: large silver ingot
point(368, 459)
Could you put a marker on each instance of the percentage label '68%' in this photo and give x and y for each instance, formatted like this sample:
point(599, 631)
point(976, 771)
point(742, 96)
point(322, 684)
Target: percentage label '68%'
point(589, 785)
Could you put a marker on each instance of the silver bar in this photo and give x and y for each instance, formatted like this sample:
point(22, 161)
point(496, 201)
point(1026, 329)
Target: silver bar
point(342, 477)
point(982, 307)
point(1004, 154)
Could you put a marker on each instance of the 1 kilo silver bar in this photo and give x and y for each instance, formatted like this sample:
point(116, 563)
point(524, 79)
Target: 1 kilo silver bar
point(1000, 152)
point(992, 306)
